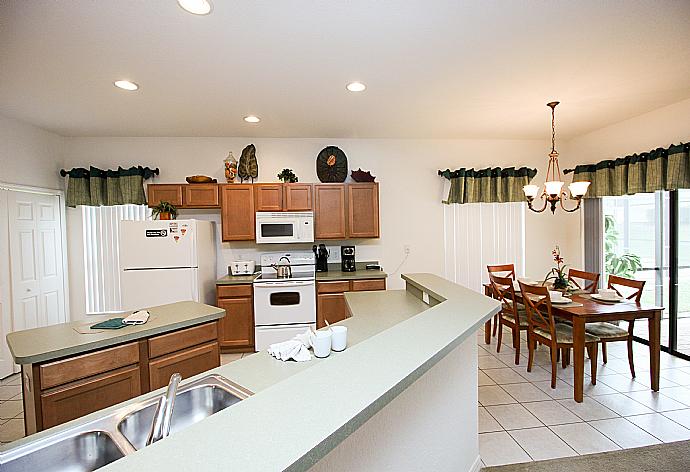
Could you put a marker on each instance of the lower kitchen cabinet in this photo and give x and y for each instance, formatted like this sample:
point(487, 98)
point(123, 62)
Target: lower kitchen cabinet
point(187, 363)
point(236, 333)
point(330, 298)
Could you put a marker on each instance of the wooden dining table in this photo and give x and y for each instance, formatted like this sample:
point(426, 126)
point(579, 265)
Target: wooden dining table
point(593, 311)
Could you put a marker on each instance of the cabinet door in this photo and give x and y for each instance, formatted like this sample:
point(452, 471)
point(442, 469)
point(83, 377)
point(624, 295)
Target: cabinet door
point(368, 285)
point(298, 197)
point(331, 307)
point(269, 197)
point(165, 193)
point(80, 398)
point(237, 212)
point(200, 196)
point(329, 211)
point(188, 362)
point(237, 326)
point(363, 210)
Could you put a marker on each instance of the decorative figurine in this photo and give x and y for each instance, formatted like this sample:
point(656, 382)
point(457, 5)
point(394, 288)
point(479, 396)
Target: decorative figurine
point(230, 168)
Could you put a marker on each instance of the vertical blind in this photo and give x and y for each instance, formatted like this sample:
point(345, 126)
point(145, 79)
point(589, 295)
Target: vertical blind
point(101, 226)
point(481, 234)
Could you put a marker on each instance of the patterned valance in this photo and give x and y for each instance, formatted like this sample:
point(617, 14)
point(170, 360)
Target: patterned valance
point(97, 187)
point(490, 185)
point(660, 169)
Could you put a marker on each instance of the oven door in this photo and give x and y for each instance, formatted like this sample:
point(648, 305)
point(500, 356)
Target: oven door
point(282, 303)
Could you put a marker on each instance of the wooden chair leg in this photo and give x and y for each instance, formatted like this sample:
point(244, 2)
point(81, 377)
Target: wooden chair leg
point(631, 328)
point(516, 344)
point(564, 359)
point(500, 334)
point(496, 318)
point(603, 352)
point(554, 363)
point(592, 351)
point(531, 346)
point(567, 356)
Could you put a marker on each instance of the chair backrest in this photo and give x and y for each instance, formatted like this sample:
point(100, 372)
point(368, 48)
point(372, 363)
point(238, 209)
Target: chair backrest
point(637, 285)
point(591, 280)
point(504, 292)
point(509, 268)
point(538, 306)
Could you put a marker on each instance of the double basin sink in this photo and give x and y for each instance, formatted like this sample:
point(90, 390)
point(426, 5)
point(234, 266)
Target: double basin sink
point(88, 446)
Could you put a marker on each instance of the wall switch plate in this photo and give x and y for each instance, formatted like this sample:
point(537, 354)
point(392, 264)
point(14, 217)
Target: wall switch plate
point(407, 249)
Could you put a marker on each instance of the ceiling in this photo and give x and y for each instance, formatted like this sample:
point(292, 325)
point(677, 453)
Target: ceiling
point(434, 69)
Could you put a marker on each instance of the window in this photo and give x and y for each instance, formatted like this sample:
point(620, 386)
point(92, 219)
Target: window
point(101, 226)
point(481, 234)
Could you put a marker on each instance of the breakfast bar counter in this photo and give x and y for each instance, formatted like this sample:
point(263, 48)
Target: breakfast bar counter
point(403, 394)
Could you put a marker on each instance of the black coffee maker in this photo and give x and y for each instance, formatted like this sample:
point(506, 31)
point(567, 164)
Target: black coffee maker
point(347, 259)
point(321, 254)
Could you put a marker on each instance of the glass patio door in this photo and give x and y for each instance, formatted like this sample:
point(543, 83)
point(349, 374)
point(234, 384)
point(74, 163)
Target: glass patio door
point(682, 287)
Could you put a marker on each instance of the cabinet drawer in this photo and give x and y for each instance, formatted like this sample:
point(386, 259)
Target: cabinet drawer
point(79, 367)
point(234, 291)
point(369, 284)
point(188, 363)
point(80, 398)
point(171, 342)
point(333, 287)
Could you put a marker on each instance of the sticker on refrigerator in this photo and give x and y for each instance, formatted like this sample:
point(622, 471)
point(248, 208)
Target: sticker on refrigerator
point(156, 233)
point(173, 227)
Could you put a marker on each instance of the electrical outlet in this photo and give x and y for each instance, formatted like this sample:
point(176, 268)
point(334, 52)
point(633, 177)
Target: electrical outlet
point(406, 249)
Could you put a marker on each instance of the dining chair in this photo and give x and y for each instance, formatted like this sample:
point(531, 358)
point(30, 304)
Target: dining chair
point(512, 314)
point(508, 270)
point(542, 327)
point(590, 280)
point(609, 332)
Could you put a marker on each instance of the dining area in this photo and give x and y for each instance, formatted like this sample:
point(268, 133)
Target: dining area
point(574, 317)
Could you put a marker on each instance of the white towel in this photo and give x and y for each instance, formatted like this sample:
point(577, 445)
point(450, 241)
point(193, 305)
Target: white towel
point(137, 318)
point(297, 348)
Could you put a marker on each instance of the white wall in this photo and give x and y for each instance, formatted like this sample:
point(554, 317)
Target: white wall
point(411, 191)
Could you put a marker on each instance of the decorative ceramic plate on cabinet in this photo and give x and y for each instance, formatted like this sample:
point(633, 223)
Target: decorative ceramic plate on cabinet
point(331, 165)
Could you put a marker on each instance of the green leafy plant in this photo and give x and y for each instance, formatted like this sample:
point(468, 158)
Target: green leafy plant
point(624, 265)
point(287, 176)
point(557, 274)
point(165, 207)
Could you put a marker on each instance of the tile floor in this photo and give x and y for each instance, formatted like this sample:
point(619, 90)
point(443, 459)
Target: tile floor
point(12, 410)
point(522, 419)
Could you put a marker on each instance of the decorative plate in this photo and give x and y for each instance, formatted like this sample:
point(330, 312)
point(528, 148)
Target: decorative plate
point(331, 165)
point(360, 175)
point(200, 179)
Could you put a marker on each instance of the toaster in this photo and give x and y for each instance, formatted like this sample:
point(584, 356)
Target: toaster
point(242, 267)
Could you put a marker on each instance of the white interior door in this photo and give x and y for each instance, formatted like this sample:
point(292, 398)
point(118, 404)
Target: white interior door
point(6, 362)
point(36, 255)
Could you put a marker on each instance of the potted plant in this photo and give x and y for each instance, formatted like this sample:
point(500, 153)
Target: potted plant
point(165, 211)
point(558, 274)
point(287, 176)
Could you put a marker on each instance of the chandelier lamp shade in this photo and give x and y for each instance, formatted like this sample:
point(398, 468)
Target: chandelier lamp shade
point(553, 193)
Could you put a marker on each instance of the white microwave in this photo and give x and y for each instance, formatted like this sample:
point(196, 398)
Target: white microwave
point(284, 227)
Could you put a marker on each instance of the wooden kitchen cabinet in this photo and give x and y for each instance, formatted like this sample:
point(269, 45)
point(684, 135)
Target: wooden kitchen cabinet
point(237, 212)
point(329, 211)
point(330, 298)
point(236, 329)
point(298, 197)
point(187, 363)
point(268, 197)
point(200, 196)
point(363, 210)
point(171, 193)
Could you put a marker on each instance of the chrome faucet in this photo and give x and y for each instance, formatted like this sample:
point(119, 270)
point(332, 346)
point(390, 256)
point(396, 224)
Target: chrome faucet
point(160, 427)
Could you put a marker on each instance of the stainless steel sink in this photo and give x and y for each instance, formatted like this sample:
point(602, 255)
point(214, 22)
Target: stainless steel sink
point(191, 406)
point(83, 452)
point(89, 445)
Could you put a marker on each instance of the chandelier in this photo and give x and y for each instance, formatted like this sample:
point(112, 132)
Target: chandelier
point(553, 192)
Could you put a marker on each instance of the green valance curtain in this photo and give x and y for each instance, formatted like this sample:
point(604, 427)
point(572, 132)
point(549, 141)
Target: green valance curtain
point(660, 169)
point(487, 185)
point(96, 187)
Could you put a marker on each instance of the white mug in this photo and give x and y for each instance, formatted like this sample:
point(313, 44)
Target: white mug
point(607, 293)
point(339, 338)
point(555, 295)
point(322, 343)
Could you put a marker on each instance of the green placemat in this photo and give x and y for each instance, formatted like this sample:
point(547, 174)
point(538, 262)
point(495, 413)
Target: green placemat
point(112, 323)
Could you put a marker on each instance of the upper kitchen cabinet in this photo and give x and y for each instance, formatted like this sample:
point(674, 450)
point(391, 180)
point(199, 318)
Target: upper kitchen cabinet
point(165, 193)
point(363, 210)
point(269, 197)
point(329, 211)
point(298, 197)
point(200, 196)
point(237, 212)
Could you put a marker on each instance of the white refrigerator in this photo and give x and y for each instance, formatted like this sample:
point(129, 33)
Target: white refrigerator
point(166, 261)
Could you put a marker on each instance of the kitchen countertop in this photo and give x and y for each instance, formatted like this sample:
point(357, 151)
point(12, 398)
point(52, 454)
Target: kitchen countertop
point(301, 411)
point(320, 276)
point(51, 342)
point(236, 279)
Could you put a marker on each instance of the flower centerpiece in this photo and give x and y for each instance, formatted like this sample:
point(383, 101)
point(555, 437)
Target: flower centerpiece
point(558, 274)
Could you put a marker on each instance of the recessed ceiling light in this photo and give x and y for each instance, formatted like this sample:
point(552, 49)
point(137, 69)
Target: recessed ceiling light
point(356, 87)
point(126, 85)
point(197, 7)
point(252, 119)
